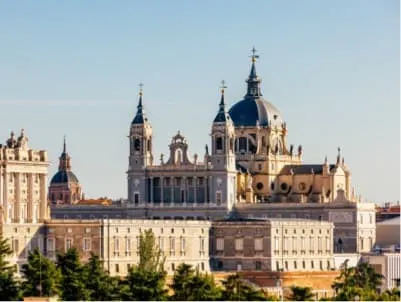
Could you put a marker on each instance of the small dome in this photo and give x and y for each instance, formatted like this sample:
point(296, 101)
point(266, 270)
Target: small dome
point(63, 176)
point(250, 110)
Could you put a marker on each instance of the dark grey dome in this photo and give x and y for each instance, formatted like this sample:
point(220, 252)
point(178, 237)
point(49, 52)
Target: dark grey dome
point(250, 110)
point(64, 177)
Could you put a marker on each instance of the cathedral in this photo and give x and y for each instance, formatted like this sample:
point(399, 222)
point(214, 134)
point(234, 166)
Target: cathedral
point(250, 161)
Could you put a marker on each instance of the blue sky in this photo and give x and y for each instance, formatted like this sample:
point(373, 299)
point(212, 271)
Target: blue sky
point(330, 67)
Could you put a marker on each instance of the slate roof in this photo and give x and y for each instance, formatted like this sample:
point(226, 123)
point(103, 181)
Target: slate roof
point(304, 169)
point(63, 176)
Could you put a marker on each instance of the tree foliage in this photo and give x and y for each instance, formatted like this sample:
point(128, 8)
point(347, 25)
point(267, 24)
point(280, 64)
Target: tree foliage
point(191, 285)
point(101, 286)
point(147, 280)
point(9, 287)
point(41, 276)
point(236, 289)
point(299, 293)
point(73, 276)
point(360, 281)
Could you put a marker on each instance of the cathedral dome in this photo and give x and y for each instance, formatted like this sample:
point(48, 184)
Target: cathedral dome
point(63, 176)
point(249, 111)
point(253, 109)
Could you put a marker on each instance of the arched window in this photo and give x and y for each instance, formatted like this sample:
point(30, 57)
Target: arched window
point(149, 145)
point(242, 144)
point(263, 141)
point(232, 144)
point(137, 144)
point(219, 143)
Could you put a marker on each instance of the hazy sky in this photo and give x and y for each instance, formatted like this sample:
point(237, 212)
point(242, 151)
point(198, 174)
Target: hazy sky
point(330, 67)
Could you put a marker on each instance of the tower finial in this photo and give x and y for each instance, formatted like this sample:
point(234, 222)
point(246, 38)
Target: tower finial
point(254, 55)
point(223, 86)
point(140, 89)
point(65, 145)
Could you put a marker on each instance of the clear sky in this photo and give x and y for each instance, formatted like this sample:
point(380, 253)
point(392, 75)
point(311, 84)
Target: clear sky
point(331, 67)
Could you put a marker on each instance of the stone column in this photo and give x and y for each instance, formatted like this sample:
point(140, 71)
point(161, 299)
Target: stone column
point(172, 179)
point(195, 188)
point(162, 190)
point(151, 190)
point(205, 183)
point(17, 200)
point(184, 187)
point(30, 213)
point(43, 197)
point(5, 197)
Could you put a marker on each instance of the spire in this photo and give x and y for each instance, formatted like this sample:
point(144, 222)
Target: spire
point(222, 104)
point(222, 113)
point(64, 160)
point(326, 161)
point(65, 146)
point(338, 155)
point(253, 80)
point(140, 113)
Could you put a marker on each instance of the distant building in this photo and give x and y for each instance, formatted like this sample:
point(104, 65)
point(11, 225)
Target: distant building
point(388, 233)
point(23, 196)
point(272, 245)
point(389, 211)
point(64, 186)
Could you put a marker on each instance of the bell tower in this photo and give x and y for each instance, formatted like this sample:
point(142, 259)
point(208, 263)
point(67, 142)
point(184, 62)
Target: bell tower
point(223, 156)
point(140, 155)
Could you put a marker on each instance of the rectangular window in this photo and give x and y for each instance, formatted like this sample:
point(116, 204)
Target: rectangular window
point(50, 245)
point(202, 245)
point(239, 244)
point(182, 244)
point(218, 197)
point(116, 244)
point(258, 265)
point(277, 266)
point(161, 244)
point(172, 246)
point(220, 244)
point(87, 244)
point(259, 244)
point(136, 198)
point(127, 244)
point(68, 244)
point(117, 268)
point(328, 245)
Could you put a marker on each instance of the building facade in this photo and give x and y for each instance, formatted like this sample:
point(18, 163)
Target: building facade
point(64, 186)
point(23, 196)
point(272, 245)
point(180, 242)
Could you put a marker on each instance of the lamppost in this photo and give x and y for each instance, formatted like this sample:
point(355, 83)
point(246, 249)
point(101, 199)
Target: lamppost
point(280, 288)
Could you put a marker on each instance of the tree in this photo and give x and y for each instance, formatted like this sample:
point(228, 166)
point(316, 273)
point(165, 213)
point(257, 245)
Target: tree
point(181, 282)
point(235, 289)
point(147, 280)
point(9, 287)
point(299, 293)
point(73, 276)
point(101, 286)
point(41, 276)
point(190, 285)
point(360, 281)
point(390, 295)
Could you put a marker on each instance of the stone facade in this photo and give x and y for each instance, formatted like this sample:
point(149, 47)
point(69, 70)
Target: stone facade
point(83, 235)
point(272, 245)
point(180, 242)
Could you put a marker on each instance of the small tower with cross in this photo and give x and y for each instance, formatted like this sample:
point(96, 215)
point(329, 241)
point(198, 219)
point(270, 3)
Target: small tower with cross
point(223, 154)
point(140, 138)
